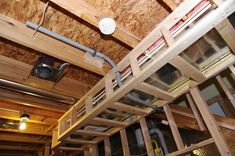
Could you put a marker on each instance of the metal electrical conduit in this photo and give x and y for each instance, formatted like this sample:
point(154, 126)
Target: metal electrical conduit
point(93, 53)
point(35, 92)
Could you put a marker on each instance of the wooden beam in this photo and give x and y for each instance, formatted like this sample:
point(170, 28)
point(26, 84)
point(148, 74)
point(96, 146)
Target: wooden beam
point(196, 112)
point(125, 145)
point(28, 130)
point(146, 137)
point(22, 138)
point(128, 109)
point(30, 110)
point(19, 33)
point(107, 122)
point(91, 133)
point(22, 100)
point(214, 130)
point(227, 31)
point(173, 126)
point(36, 119)
point(192, 147)
point(107, 147)
point(71, 149)
point(91, 15)
point(65, 86)
point(226, 90)
point(79, 141)
point(18, 148)
point(158, 93)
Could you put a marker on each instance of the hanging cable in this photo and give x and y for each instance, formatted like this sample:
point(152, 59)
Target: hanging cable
point(42, 19)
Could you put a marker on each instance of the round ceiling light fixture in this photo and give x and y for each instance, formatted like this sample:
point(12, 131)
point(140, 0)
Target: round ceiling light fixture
point(107, 25)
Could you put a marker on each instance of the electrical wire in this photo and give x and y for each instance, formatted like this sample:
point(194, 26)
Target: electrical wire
point(43, 18)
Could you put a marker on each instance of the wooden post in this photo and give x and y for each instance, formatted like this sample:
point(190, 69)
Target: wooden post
point(196, 113)
point(173, 126)
point(125, 145)
point(47, 150)
point(210, 123)
point(87, 152)
point(226, 90)
point(146, 136)
point(40, 153)
point(107, 147)
point(93, 150)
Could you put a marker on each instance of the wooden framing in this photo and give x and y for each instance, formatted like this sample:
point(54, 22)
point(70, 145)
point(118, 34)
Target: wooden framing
point(146, 136)
point(196, 113)
point(226, 90)
point(125, 145)
point(89, 14)
point(174, 129)
point(141, 73)
point(19, 33)
point(210, 123)
point(107, 148)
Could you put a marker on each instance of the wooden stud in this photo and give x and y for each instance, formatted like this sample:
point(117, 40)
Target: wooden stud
point(40, 153)
point(146, 136)
point(173, 126)
point(47, 150)
point(93, 150)
point(125, 145)
point(226, 90)
point(107, 147)
point(214, 130)
point(196, 113)
point(87, 152)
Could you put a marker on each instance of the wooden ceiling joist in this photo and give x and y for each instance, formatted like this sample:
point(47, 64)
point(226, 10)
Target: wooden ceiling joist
point(18, 148)
point(91, 133)
point(158, 93)
point(65, 86)
point(19, 33)
point(22, 138)
point(91, 15)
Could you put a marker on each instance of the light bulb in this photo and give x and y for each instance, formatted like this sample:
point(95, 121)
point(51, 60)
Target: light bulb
point(22, 126)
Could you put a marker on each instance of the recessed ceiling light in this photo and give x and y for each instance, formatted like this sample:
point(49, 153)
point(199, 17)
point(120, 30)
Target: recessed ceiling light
point(107, 25)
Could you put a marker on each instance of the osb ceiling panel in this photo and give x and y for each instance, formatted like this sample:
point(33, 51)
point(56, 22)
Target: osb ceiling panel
point(29, 56)
point(138, 16)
